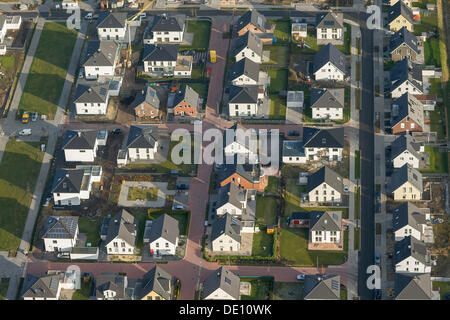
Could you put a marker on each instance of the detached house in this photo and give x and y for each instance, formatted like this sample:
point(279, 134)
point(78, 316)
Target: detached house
point(330, 28)
point(407, 2)
point(323, 143)
point(413, 287)
point(325, 185)
point(146, 104)
point(164, 235)
point(112, 26)
point(329, 64)
point(142, 144)
point(400, 16)
point(407, 115)
point(44, 287)
point(81, 146)
point(156, 284)
point(411, 256)
point(245, 72)
point(165, 30)
point(404, 150)
point(121, 234)
point(403, 44)
point(408, 220)
point(253, 21)
point(405, 77)
point(101, 59)
point(232, 200)
point(92, 100)
point(242, 141)
point(8, 23)
point(60, 233)
point(327, 103)
point(406, 184)
point(111, 286)
point(186, 103)
point(226, 234)
point(248, 176)
point(325, 228)
point(244, 101)
point(160, 60)
point(221, 284)
point(248, 46)
point(322, 287)
point(293, 152)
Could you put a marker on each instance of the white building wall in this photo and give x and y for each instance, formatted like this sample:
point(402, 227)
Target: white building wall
point(156, 66)
point(62, 245)
point(407, 192)
point(111, 33)
point(314, 152)
point(242, 109)
point(325, 237)
point(231, 209)
point(330, 113)
point(406, 158)
point(79, 155)
point(122, 247)
point(67, 199)
point(249, 54)
point(294, 160)
point(404, 88)
point(219, 294)
point(329, 33)
point(324, 193)
point(243, 80)
point(412, 265)
point(142, 154)
point(159, 245)
point(162, 37)
point(93, 72)
point(225, 243)
point(407, 231)
point(329, 72)
point(91, 108)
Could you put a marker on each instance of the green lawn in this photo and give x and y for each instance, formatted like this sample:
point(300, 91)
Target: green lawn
point(278, 80)
point(444, 287)
point(48, 71)
point(357, 202)
point(279, 55)
point(343, 292)
point(201, 88)
point(422, 3)
point(346, 47)
point(150, 194)
point(437, 122)
point(277, 107)
point(266, 210)
point(356, 239)
point(432, 53)
point(293, 193)
point(262, 244)
point(7, 61)
point(182, 216)
point(19, 170)
point(357, 163)
point(4, 283)
point(282, 30)
point(288, 291)
point(427, 23)
point(201, 30)
point(435, 87)
point(92, 229)
point(438, 161)
point(261, 288)
point(294, 248)
point(83, 292)
point(273, 185)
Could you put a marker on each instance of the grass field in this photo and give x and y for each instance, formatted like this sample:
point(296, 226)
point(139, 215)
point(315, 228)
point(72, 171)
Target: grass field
point(437, 122)
point(261, 288)
point(278, 80)
point(266, 210)
point(288, 291)
point(48, 71)
point(282, 30)
point(346, 47)
point(83, 292)
point(357, 163)
point(150, 194)
point(201, 31)
point(432, 54)
point(4, 283)
point(19, 170)
point(293, 193)
point(356, 239)
point(427, 23)
point(92, 229)
point(273, 185)
point(438, 161)
point(262, 244)
point(279, 55)
point(277, 107)
point(444, 288)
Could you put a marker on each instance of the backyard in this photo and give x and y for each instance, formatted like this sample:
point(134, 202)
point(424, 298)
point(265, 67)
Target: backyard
point(438, 161)
point(288, 291)
point(201, 31)
point(48, 70)
point(17, 184)
point(266, 210)
point(282, 30)
point(261, 288)
point(279, 56)
point(150, 194)
point(84, 292)
point(444, 288)
point(92, 229)
point(428, 22)
point(278, 80)
point(262, 244)
point(432, 54)
point(277, 107)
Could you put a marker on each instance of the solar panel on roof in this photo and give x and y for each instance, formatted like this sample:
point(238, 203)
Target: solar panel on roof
point(227, 280)
point(334, 285)
point(329, 23)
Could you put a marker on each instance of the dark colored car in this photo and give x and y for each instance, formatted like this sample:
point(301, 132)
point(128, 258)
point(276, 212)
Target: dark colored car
point(294, 133)
point(182, 187)
point(378, 294)
point(116, 131)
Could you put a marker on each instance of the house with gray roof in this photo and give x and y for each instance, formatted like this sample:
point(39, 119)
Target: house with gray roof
point(327, 103)
point(329, 64)
point(248, 46)
point(406, 184)
point(244, 72)
point(405, 77)
point(322, 287)
point(226, 234)
point(407, 115)
point(325, 186)
point(165, 29)
point(43, 287)
point(221, 284)
point(408, 220)
point(111, 286)
point(164, 235)
point(325, 227)
point(60, 233)
point(247, 175)
point(232, 199)
point(293, 152)
point(411, 256)
point(330, 28)
point(403, 44)
point(101, 59)
point(186, 103)
point(405, 150)
point(244, 101)
point(146, 103)
point(323, 143)
point(80, 146)
point(67, 187)
point(399, 16)
point(92, 99)
point(414, 287)
point(141, 145)
point(112, 26)
point(157, 284)
point(122, 233)
point(160, 60)
point(255, 22)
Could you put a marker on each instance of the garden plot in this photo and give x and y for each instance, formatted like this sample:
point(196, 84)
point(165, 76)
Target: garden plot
point(144, 194)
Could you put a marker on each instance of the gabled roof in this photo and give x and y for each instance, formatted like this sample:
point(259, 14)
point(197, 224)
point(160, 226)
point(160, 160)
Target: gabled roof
point(67, 181)
point(60, 227)
point(403, 143)
point(142, 137)
point(165, 23)
point(406, 70)
point(160, 52)
point(245, 67)
point(329, 53)
point(330, 20)
point(123, 226)
point(323, 138)
point(322, 287)
point(248, 40)
point(112, 20)
point(232, 194)
point(407, 214)
point(407, 106)
point(96, 93)
point(188, 95)
point(101, 53)
point(399, 8)
point(165, 227)
point(293, 148)
point(327, 98)
point(255, 18)
point(406, 174)
point(148, 95)
point(326, 221)
point(44, 286)
point(410, 247)
point(228, 225)
point(224, 279)
point(325, 175)
point(248, 94)
point(412, 286)
point(303, 215)
point(113, 282)
point(403, 36)
point(248, 171)
point(156, 280)
point(75, 140)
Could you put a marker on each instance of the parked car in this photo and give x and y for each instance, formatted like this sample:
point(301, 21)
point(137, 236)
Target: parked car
point(378, 294)
point(301, 276)
point(116, 131)
point(25, 132)
point(177, 207)
point(377, 258)
point(25, 117)
point(182, 187)
point(346, 188)
point(81, 74)
point(294, 133)
point(34, 116)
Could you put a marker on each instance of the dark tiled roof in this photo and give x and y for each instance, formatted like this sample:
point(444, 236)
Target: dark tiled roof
point(329, 53)
point(412, 286)
point(247, 94)
point(406, 70)
point(407, 106)
point(325, 175)
point(44, 286)
point(293, 148)
point(113, 282)
point(188, 95)
point(96, 93)
point(326, 221)
point(156, 280)
point(165, 227)
point(245, 67)
point(248, 171)
point(403, 36)
point(75, 140)
point(67, 181)
point(249, 40)
point(232, 194)
point(60, 227)
point(228, 225)
point(321, 287)
point(404, 174)
point(142, 137)
point(323, 138)
point(112, 20)
point(101, 53)
point(161, 52)
point(149, 95)
point(327, 98)
point(255, 18)
point(403, 143)
point(164, 23)
point(224, 279)
point(410, 247)
point(124, 226)
point(330, 20)
point(399, 8)
point(407, 214)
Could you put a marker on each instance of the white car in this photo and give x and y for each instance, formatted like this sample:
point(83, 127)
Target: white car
point(301, 276)
point(177, 207)
point(346, 188)
point(25, 132)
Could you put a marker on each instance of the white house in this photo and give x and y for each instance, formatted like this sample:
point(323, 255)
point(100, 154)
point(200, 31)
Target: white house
point(226, 234)
point(242, 141)
point(245, 72)
point(325, 186)
point(404, 150)
point(329, 64)
point(80, 146)
point(323, 143)
point(245, 101)
point(69, 4)
point(330, 28)
point(411, 256)
point(111, 286)
point(408, 220)
point(121, 234)
point(325, 227)
point(293, 152)
point(142, 144)
point(112, 26)
point(327, 103)
point(8, 23)
point(221, 284)
point(160, 60)
point(92, 100)
point(164, 234)
point(165, 30)
point(232, 200)
point(406, 184)
point(101, 59)
point(299, 30)
point(60, 233)
point(249, 46)
point(405, 77)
